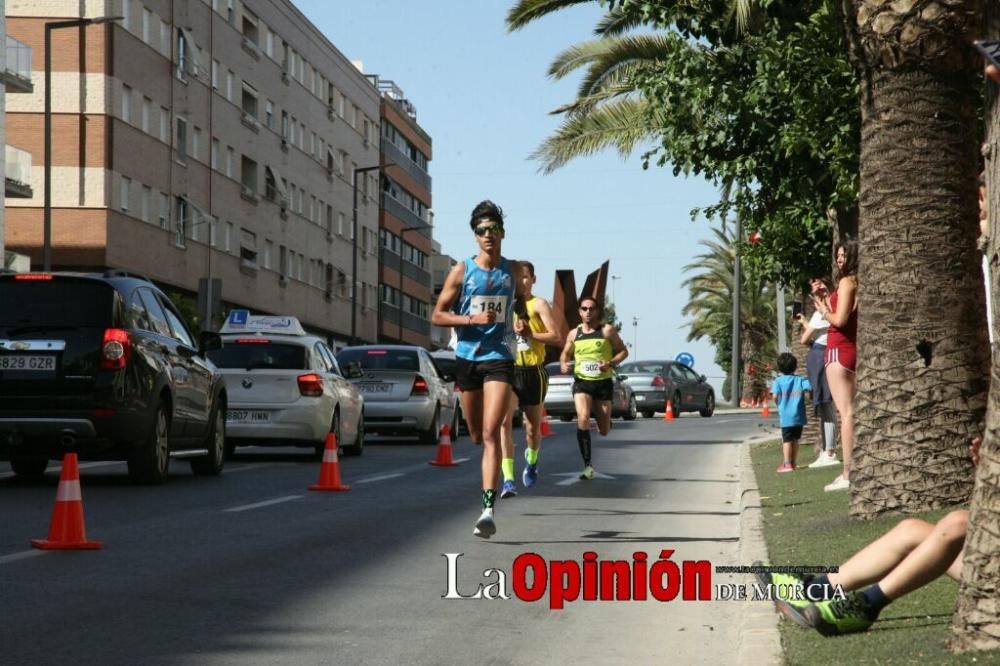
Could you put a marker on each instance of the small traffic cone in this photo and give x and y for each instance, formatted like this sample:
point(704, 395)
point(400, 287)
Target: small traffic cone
point(329, 470)
point(444, 450)
point(66, 532)
point(767, 409)
point(668, 413)
point(546, 428)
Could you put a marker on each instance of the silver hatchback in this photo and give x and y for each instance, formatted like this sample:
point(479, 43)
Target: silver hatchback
point(405, 393)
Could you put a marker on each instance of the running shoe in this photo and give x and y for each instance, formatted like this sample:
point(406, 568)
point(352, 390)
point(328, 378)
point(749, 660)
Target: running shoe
point(530, 475)
point(509, 489)
point(485, 527)
point(825, 460)
point(588, 473)
point(785, 467)
point(786, 587)
point(841, 616)
point(840, 483)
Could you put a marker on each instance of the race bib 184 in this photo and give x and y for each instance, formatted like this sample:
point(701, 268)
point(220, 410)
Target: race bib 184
point(497, 304)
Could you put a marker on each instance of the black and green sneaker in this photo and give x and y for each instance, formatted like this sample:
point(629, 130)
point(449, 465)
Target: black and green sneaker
point(849, 615)
point(786, 591)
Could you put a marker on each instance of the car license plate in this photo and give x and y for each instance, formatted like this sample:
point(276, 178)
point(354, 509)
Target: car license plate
point(375, 388)
point(25, 363)
point(247, 416)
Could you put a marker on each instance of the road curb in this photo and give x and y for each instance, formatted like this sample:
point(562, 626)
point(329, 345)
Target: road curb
point(759, 638)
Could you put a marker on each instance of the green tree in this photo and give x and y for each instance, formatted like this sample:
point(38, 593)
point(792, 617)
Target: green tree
point(611, 317)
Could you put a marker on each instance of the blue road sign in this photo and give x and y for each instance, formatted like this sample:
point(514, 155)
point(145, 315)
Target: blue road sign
point(685, 358)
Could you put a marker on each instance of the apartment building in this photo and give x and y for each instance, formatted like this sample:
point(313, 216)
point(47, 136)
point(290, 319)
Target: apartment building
point(440, 265)
point(405, 221)
point(15, 164)
point(212, 146)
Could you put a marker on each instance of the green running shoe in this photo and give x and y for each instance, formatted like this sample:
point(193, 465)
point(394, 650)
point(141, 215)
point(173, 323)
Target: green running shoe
point(849, 615)
point(787, 587)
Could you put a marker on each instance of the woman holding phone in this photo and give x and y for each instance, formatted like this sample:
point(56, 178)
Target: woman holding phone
point(840, 309)
point(814, 334)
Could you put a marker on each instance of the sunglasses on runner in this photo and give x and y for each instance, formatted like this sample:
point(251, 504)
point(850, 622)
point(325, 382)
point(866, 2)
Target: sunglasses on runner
point(496, 229)
point(588, 308)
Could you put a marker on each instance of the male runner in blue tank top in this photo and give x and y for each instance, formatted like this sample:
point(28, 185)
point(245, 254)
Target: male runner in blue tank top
point(478, 301)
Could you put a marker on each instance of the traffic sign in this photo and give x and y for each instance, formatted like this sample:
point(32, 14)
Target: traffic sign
point(685, 358)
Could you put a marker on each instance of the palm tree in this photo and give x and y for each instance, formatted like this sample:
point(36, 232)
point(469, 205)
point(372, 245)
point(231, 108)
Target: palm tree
point(922, 378)
point(710, 306)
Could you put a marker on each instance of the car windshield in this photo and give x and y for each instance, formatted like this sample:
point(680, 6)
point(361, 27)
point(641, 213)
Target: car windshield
point(380, 359)
point(255, 354)
point(633, 368)
point(32, 305)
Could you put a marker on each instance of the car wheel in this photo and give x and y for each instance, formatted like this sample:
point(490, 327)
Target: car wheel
point(359, 444)
point(335, 429)
point(149, 462)
point(456, 425)
point(709, 406)
point(648, 414)
point(28, 465)
point(215, 442)
point(430, 436)
point(632, 409)
point(566, 418)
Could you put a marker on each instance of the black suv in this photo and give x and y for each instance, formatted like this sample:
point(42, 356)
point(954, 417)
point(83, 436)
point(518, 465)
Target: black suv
point(103, 364)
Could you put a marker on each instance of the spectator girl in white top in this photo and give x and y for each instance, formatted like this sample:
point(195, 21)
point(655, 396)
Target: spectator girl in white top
point(814, 334)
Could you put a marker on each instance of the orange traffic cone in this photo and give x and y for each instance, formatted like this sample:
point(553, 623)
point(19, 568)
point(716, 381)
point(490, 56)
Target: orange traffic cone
point(546, 428)
point(444, 450)
point(767, 409)
point(329, 470)
point(668, 413)
point(66, 532)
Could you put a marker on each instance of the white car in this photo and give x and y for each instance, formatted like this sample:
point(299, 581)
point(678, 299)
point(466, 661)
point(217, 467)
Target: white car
point(285, 387)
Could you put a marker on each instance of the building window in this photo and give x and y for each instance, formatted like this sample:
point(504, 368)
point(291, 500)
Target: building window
point(215, 74)
point(181, 145)
point(182, 55)
point(147, 113)
point(230, 158)
point(180, 220)
point(127, 103)
point(284, 126)
point(268, 248)
point(229, 237)
point(269, 44)
point(248, 248)
point(269, 114)
point(125, 194)
point(164, 125)
point(229, 84)
point(282, 260)
point(340, 223)
point(329, 219)
point(249, 100)
point(127, 14)
point(147, 26)
point(248, 176)
point(147, 195)
point(250, 28)
point(165, 38)
point(164, 210)
point(196, 143)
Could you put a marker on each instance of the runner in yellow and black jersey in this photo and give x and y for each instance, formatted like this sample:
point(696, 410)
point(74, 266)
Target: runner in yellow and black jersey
point(595, 350)
point(531, 383)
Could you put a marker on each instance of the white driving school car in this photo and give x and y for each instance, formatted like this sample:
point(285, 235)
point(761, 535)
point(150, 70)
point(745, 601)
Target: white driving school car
point(285, 386)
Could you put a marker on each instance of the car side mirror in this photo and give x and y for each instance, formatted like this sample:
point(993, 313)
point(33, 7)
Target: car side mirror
point(209, 341)
point(702, 378)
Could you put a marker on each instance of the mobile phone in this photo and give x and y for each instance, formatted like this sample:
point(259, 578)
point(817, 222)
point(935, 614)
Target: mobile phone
point(796, 309)
point(990, 49)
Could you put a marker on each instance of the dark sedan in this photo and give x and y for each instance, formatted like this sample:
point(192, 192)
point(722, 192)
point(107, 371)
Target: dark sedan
point(655, 382)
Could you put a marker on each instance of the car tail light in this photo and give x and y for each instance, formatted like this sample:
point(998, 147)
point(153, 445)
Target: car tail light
point(33, 277)
point(658, 381)
point(115, 349)
point(419, 386)
point(311, 385)
point(253, 341)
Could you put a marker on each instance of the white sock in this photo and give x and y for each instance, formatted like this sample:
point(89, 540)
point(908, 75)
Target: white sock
point(830, 436)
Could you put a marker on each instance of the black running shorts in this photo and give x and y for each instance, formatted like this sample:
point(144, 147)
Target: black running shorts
point(599, 389)
point(531, 383)
point(470, 375)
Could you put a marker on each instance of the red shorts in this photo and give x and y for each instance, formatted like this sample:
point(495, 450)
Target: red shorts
point(845, 356)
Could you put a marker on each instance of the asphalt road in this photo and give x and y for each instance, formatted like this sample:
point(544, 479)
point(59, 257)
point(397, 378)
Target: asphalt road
point(252, 568)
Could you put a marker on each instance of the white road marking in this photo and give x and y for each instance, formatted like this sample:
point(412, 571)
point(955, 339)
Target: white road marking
point(461, 460)
point(23, 555)
point(379, 477)
point(233, 470)
point(257, 505)
point(574, 477)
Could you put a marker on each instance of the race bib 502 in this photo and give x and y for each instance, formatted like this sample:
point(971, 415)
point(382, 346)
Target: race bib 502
point(590, 368)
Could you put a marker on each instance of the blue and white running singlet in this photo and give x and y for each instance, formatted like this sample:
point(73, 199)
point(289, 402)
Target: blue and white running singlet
point(485, 291)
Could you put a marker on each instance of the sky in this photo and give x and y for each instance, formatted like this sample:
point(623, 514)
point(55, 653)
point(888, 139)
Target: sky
point(484, 97)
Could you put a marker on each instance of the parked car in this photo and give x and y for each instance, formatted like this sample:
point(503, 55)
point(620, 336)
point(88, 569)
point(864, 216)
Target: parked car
point(285, 387)
point(655, 382)
point(404, 391)
point(103, 364)
point(559, 400)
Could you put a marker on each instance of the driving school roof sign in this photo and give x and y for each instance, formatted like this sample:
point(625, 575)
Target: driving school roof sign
point(241, 321)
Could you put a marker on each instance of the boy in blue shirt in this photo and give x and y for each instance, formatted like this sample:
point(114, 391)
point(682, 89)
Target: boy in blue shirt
point(790, 393)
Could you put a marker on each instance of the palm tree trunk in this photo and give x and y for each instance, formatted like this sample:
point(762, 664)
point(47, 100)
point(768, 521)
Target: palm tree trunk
point(977, 616)
point(922, 378)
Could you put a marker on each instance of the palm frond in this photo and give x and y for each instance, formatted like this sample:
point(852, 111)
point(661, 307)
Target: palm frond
point(616, 22)
point(526, 11)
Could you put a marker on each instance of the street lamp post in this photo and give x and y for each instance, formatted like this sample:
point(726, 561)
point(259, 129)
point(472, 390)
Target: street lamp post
point(47, 199)
point(399, 265)
point(635, 336)
point(613, 278)
point(354, 254)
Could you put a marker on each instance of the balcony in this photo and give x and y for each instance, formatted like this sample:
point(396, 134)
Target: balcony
point(395, 155)
point(411, 270)
point(250, 46)
point(18, 173)
point(405, 215)
point(17, 73)
point(250, 121)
